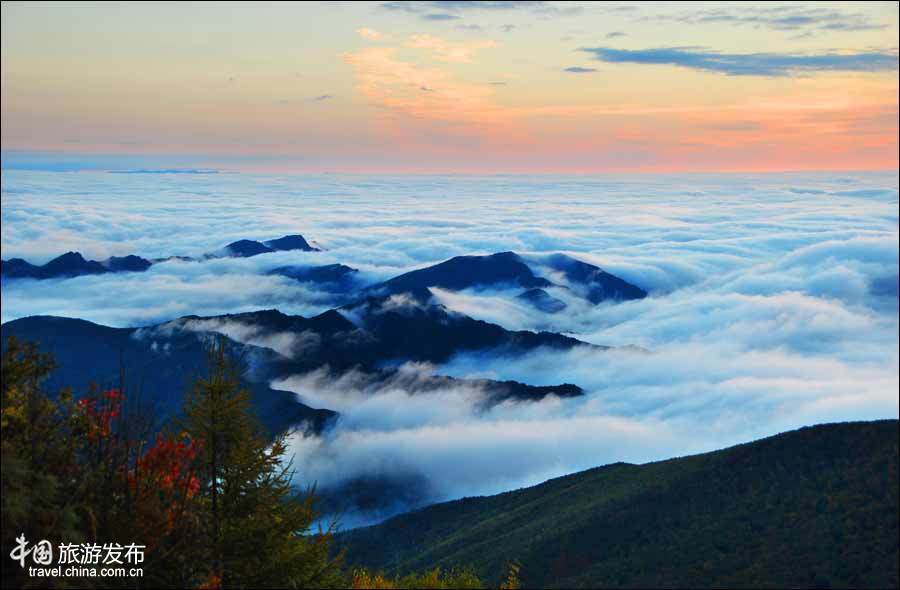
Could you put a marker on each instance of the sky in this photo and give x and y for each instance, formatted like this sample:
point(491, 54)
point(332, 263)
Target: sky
point(450, 87)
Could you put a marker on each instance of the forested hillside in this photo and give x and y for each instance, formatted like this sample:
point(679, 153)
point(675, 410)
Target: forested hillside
point(816, 507)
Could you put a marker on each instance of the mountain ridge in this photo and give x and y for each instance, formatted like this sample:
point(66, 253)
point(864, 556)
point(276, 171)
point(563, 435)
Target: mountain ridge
point(506, 270)
point(165, 357)
point(74, 264)
point(760, 514)
point(502, 270)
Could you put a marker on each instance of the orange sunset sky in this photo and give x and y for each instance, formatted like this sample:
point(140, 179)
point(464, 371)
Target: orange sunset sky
point(481, 87)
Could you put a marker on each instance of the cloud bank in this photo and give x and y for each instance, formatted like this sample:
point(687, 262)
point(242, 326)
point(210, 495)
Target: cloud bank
point(773, 304)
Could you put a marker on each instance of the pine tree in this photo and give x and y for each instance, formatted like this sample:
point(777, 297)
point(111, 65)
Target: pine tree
point(256, 524)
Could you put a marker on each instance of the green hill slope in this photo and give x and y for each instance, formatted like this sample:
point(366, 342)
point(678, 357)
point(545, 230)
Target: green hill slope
point(816, 507)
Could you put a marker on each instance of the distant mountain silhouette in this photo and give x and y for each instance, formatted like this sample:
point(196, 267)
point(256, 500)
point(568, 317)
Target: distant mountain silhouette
point(18, 268)
point(130, 263)
point(503, 270)
point(332, 277)
point(510, 270)
point(248, 248)
point(73, 264)
point(464, 272)
point(292, 242)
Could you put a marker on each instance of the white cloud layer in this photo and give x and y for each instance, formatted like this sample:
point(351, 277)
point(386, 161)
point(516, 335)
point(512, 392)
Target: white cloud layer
point(773, 303)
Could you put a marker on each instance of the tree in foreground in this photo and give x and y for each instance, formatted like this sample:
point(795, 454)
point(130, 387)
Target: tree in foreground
point(255, 525)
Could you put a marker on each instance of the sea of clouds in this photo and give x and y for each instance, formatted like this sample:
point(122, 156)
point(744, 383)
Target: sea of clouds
point(773, 304)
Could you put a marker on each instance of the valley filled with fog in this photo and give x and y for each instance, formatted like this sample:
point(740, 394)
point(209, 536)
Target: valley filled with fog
point(772, 303)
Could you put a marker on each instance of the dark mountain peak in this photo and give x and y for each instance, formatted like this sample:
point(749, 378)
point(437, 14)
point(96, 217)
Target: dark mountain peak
point(130, 263)
point(71, 264)
point(17, 268)
point(335, 274)
point(592, 282)
point(269, 320)
point(507, 255)
point(247, 248)
point(291, 242)
point(69, 257)
point(463, 272)
point(331, 322)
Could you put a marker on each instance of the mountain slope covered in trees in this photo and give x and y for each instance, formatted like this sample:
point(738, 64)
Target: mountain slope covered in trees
point(815, 507)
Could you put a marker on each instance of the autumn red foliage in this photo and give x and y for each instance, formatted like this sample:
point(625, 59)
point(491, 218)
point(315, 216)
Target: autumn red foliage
point(99, 412)
point(169, 464)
